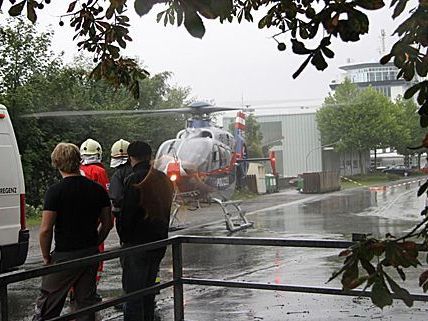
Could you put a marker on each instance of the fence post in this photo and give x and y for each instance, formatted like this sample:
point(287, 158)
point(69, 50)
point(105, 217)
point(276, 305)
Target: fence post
point(177, 273)
point(3, 303)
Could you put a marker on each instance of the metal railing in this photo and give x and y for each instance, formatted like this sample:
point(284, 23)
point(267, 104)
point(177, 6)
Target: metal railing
point(178, 280)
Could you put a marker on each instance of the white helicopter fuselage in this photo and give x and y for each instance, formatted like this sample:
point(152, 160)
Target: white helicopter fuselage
point(206, 161)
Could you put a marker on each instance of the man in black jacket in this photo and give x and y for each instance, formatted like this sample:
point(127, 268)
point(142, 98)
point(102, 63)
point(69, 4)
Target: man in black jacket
point(144, 218)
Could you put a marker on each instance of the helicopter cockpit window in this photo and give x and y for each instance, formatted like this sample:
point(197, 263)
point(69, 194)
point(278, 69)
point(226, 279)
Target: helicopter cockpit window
point(225, 157)
point(194, 155)
point(206, 134)
point(215, 158)
point(166, 153)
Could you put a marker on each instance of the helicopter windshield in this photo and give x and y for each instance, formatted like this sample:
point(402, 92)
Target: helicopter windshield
point(193, 154)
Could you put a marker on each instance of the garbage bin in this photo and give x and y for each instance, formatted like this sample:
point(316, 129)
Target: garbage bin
point(300, 184)
point(271, 185)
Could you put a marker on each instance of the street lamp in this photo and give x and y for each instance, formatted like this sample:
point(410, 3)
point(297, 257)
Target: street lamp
point(324, 147)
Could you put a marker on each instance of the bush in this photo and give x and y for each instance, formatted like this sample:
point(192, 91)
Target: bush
point(33, 212)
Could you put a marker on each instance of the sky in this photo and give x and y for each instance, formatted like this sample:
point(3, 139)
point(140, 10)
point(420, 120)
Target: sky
point(233, 63)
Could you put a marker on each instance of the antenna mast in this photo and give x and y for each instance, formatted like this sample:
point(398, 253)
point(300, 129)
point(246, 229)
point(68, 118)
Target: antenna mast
point(382, 41)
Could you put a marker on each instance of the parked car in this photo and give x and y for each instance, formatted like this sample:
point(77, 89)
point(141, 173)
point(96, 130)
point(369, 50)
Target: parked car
point(398, 170)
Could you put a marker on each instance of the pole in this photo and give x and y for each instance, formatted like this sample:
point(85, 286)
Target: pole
point(318, 147)
point(177, 273)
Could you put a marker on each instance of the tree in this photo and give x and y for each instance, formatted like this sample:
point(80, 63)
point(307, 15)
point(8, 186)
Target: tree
point(358, 120)
point(253, 137)
point(102, 28)
point(23, 53)
point(410, 131)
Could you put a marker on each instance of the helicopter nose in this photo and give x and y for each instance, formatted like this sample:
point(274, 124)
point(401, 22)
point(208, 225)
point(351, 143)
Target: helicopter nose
point(173, 171)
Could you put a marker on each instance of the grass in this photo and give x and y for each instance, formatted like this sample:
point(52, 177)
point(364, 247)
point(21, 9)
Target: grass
point(33, 215)
point(371, 179)
point(33, 221)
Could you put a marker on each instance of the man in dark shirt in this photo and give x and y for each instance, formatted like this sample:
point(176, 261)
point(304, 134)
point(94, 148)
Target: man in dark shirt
point(144, 218)
point(72, 211)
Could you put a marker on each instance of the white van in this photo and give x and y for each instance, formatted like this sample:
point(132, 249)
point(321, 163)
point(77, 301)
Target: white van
point(13, 233)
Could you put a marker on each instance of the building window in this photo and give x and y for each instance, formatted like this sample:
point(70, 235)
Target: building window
point(355, 163)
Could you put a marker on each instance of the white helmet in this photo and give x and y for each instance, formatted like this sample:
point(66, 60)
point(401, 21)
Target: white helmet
point(120, 148)
point(91, 147)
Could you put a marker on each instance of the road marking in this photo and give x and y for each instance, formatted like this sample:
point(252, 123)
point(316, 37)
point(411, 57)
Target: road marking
point(296, 202)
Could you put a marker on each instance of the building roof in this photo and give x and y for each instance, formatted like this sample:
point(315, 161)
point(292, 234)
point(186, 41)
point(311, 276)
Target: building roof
point(360, 65)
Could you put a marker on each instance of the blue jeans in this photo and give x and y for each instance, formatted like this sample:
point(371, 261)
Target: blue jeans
point(139, 271)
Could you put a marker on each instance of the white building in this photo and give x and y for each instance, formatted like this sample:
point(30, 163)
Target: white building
point(381, 77)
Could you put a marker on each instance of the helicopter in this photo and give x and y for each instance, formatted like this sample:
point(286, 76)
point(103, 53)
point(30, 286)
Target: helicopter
point(205, 162)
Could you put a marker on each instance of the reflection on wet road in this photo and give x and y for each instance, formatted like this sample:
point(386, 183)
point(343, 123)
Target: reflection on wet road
point(332, 216)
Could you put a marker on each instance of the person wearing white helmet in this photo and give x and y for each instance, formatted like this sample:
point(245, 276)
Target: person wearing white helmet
point(119, 161)
point(92, 167)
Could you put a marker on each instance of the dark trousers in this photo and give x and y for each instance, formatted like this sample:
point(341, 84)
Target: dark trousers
point(139, 271)
point(55, 287)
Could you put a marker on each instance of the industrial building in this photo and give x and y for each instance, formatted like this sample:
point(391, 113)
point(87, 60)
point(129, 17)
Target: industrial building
point(290, 129)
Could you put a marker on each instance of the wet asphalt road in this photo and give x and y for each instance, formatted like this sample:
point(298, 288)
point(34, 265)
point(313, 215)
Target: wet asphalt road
point(287, 214)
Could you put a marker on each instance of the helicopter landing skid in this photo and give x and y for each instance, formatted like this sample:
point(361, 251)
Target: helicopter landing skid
point(233, 224)
point(190, 199)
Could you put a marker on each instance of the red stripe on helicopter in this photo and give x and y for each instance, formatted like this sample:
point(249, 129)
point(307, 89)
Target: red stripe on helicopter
point(240, 120)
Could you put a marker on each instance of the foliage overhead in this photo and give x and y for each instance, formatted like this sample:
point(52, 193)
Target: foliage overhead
point(103, 29)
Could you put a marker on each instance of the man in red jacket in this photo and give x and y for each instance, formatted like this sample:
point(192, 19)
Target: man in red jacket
point(91, 167)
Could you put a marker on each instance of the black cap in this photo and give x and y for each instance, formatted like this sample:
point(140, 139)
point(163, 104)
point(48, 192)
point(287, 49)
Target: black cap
point(139, 149)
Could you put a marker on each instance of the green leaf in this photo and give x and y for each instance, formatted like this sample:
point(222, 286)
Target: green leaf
point(159, 16)
point(327, 52)
point(370, 4)
point(385, 59)
point(318, 61)
point(194, 24)
point(180, 16)
point(368, 266)
point(423, 121)
point(423, 280)
point(401, 273)
point(380, 295)
point(423, 188)
point(350, 277)
point(421, 68)
point(403, 294)
point(16, 9)
point(71, 6)
point(31, 12)
point(221, 8)
point(399, 8)
point(143, 7)
point(410, 92)
point(262, 22)
point(299, 48)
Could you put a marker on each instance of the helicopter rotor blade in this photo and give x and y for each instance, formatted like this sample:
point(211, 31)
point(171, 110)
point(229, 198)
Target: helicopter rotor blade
point(194, 110)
